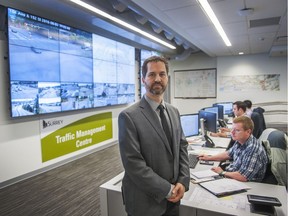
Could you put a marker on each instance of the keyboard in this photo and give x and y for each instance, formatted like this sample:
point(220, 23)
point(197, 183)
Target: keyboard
point(193, 160)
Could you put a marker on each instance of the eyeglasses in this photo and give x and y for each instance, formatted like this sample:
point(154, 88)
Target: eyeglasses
point(236, 130)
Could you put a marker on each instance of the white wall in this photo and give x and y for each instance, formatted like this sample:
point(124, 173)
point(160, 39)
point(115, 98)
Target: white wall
point(274, 102)
point(254, 65)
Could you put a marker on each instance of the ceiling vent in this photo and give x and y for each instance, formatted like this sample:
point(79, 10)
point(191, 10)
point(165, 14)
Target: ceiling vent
point(264, 22)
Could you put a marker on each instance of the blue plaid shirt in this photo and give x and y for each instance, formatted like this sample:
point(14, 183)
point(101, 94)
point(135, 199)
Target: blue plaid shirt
point(249, 159)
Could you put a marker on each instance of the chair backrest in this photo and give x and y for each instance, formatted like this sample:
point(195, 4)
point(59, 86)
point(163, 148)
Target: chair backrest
point(260, 110)
point(258, 128)
point(277, 141)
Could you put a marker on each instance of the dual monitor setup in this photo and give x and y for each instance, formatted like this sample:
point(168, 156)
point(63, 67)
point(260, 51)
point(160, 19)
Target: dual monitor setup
point(207, 119)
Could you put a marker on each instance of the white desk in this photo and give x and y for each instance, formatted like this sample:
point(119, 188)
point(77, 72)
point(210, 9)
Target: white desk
point(205, 204)
point(197, 201)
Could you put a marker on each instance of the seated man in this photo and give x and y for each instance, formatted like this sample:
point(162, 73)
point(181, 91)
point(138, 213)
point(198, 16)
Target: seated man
point(239, 109)
point(249, 109)
point(249, 158)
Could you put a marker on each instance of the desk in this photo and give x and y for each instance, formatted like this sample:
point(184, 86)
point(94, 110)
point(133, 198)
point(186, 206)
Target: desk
point(220, 142)
point(197, 201)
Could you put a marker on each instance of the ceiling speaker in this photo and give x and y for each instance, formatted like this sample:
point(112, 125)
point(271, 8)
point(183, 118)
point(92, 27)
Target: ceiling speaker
point(246, 11)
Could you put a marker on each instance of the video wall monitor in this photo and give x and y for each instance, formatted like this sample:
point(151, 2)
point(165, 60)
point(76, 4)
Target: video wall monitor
point(210, 121)
point(190, 124)
point(220, 110)
point(213, 109)
point(54, 67)
point(228, 107)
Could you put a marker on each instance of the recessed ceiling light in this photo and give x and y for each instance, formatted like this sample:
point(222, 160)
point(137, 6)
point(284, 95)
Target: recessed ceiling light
point(241, 53)
point(210, 13)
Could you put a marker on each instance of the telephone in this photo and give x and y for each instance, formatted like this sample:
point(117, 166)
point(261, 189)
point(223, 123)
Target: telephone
point(209, 142)
point(222, 123)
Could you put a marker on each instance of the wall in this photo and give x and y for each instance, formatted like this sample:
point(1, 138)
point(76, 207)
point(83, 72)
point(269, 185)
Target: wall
point(254, 65)
point(274, 102)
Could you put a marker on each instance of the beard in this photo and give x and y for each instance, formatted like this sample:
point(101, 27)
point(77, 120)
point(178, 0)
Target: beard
point(156, 88)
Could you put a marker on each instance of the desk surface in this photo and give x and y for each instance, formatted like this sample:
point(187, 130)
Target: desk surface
point(237, 204)
point(198, 201)
point(205, 203)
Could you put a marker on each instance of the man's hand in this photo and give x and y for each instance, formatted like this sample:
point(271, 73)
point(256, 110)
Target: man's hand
point(177, 193)
point(217, 169)
point(203, 157)
point(222, 130)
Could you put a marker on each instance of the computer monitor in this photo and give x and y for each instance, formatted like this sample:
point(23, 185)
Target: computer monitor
point(213, 109)
point(210, 121)
point(190, 124)
point(220, 110)
point(228, 107)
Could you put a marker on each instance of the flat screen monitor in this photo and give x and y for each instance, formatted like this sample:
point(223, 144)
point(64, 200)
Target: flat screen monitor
point(210, 121)
point(213, 109)
point(54, 67)
point(228, 107)
point(220, 110)
point(190, 124)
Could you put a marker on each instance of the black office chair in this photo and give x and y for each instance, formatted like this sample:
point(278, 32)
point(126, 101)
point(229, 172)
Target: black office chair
point(258, 116)
point(258, 124)
point(224, 164)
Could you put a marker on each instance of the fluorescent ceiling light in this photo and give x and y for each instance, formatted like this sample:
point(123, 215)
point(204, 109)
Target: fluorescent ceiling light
point(127, 25)
point(210, 13)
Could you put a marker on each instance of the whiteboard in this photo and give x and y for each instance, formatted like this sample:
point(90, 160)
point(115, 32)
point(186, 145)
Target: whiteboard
point(200, 83)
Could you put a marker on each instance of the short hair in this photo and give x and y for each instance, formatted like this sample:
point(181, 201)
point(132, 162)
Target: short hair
point(240, 104)
point(154, 59)
point(247, 122)
point(248, 103)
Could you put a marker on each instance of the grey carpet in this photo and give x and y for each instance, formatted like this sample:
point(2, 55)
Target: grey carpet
point(72, 189)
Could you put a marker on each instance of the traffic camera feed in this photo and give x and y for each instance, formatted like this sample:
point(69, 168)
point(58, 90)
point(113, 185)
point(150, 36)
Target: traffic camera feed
point(54, 67)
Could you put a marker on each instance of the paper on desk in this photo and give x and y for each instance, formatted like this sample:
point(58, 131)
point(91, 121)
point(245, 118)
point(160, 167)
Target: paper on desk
point(203, 173)
point(220, 142)
point(200, 178)
point(204, 198)
point(207, 151)
point(193, 140)
point(224, 186)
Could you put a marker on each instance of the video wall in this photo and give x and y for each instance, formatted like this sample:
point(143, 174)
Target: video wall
point(55, 67)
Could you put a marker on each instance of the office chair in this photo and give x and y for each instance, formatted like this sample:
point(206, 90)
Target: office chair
point(261, 111)
point(258, 124)
point(276, 146)
point(226, 163)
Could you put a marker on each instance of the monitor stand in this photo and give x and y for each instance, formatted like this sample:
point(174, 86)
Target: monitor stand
point(202, 127)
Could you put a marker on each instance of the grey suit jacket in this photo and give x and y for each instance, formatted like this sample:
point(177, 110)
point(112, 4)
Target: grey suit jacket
point(150, 164)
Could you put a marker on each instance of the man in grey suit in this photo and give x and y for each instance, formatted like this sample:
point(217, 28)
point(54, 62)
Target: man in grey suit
point(156, 165)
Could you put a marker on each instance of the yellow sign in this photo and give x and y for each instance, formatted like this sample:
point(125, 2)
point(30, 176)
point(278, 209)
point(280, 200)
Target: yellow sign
point(77, 135)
